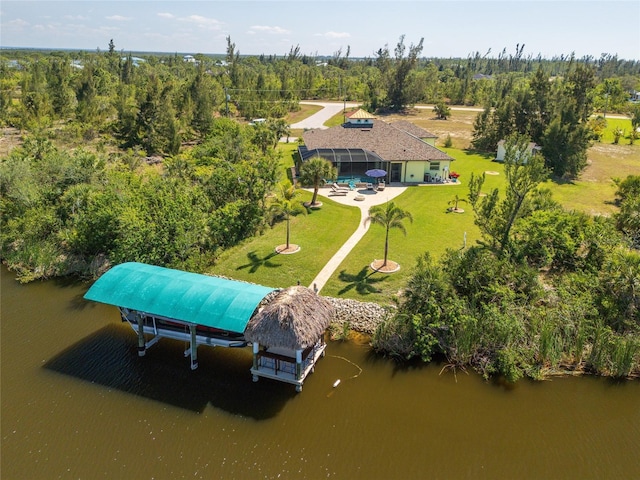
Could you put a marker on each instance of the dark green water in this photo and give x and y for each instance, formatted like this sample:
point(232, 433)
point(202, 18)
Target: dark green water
point(77, 403)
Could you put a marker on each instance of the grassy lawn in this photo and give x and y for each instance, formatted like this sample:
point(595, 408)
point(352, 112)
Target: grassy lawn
point(434, 229)
point(287, 153)
point(612, 123)
point(316, 233)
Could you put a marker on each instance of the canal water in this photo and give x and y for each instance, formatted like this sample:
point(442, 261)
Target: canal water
point(78, 403)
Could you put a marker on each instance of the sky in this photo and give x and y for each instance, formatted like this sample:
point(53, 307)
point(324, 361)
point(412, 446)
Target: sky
point(454, 28)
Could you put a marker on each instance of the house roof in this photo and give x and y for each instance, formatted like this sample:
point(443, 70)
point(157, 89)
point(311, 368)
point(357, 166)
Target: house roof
point(360, 113)
point(413, 129)
point(385, 140)
point(532, 145)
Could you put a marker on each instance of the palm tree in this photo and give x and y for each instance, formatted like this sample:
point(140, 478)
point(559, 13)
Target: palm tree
point(389, 216)
point(455, 202)
point(279, 128)
point(316, 172)
point(286, 206)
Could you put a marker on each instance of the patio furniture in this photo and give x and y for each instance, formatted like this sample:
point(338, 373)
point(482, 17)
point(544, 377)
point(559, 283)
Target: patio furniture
point(381, 186)
point(338, 187)
point(369, 186)
point(337, 191)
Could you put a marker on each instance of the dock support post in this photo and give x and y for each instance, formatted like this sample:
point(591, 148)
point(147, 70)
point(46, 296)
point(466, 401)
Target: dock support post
point(142, 348)
point(298, 364)
point(256, 349)
point(194, 347)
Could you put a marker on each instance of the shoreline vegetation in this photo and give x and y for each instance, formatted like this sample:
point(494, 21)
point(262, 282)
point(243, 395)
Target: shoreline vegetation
point(104, 160)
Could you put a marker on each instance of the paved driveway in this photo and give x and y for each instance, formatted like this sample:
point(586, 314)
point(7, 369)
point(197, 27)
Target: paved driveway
point(318, 119)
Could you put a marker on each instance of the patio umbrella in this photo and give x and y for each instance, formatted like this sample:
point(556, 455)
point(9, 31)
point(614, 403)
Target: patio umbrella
point(375, 173)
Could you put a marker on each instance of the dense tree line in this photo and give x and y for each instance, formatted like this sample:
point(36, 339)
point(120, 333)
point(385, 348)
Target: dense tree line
point(96, 89)
point(76, 212)
point(544, 292)
point(157, 104)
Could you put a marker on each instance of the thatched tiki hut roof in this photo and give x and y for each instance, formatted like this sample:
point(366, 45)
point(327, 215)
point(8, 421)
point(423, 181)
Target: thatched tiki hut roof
point(295, 319)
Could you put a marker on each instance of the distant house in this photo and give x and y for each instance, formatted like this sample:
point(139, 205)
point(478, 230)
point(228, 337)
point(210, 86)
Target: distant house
point(189, 59)
point(405, 151)
point(14, 64)
point(135, 61)
point(531, 149)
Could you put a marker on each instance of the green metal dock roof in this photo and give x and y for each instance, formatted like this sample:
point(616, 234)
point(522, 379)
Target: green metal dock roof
point(174, 294)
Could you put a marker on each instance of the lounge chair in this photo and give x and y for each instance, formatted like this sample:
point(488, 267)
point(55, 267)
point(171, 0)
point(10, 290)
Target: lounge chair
point(338, 187)
point(337, 191)
point(369, 186)
point(381, 186)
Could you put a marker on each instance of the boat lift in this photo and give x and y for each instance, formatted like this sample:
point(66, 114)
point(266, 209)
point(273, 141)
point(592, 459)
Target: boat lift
point(166, 303)
point(159, 327)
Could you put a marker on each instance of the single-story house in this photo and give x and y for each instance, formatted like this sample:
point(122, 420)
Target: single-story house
point(405, 151)
point(502, 151)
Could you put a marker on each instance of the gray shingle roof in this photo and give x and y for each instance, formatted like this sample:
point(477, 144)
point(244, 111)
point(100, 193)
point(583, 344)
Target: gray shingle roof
point(389, 142)
point(413, 129)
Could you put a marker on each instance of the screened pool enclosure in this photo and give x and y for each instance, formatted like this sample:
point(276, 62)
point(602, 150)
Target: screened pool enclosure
point(351, 163)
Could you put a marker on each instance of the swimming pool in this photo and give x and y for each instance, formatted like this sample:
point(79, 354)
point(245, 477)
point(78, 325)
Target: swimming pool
point(347, 179)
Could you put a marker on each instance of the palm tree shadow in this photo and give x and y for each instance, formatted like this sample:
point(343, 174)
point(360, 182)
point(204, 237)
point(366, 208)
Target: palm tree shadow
point(362, 281)
point(255, 262)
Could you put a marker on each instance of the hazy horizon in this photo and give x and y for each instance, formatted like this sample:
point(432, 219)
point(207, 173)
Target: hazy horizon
point(453, 29)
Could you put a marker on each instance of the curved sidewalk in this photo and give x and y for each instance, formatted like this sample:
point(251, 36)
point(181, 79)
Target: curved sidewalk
point(370, 199)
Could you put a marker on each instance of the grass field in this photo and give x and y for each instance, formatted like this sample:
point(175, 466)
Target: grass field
point(304, 112)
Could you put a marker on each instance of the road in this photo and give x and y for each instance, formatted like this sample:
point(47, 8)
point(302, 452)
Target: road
point(318, 119)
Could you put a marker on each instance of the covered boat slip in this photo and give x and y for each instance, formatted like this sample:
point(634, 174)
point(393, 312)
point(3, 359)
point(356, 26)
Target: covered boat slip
point(286, 329)
point(166, 303)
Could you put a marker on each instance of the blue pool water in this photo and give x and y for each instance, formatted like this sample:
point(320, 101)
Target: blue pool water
point(356, 179)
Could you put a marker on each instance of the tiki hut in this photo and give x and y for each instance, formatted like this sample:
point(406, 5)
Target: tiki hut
point(288, 335)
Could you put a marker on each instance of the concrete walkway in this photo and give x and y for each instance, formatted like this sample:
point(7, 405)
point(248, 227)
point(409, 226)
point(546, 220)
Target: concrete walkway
point(371, 198)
